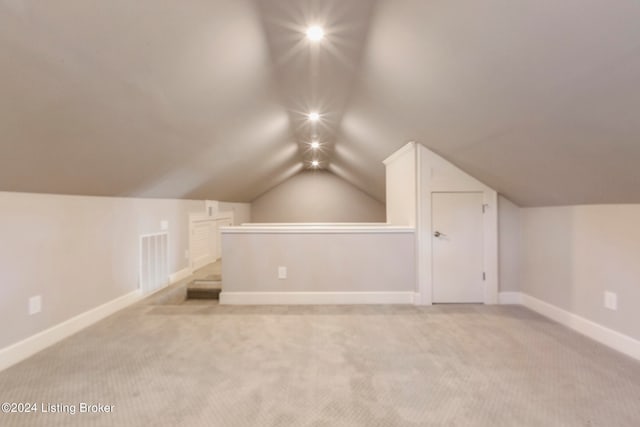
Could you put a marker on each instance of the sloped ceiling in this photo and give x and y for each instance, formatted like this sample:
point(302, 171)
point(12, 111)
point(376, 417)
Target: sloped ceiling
point(208, 99)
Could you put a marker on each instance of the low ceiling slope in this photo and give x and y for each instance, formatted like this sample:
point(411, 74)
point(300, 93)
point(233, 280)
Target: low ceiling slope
point(140, 98)
point(208, 98)
point(539, 99)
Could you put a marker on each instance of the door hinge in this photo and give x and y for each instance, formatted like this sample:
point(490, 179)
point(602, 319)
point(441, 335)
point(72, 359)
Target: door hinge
point(484, 276)
point(484, 208)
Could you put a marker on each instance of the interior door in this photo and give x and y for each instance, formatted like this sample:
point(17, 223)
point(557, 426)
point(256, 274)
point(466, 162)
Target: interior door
point(457, 247)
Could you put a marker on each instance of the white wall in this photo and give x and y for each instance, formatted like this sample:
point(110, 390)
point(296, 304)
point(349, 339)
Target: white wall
point(572, 254)
point(318, 260)
point(316, 196)
point(401, 181)
point(510, 244)
point(77, 252)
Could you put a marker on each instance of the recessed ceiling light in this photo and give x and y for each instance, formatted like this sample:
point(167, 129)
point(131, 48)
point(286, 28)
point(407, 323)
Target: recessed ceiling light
point(315, 145)
point(315, 163)
point(315, 33)
point(314, 117)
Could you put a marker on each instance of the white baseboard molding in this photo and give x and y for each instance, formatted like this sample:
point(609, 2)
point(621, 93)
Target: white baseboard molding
point(510, 298)
point(28, 347)
point(316, 298)
point(613, 339)
point(179, 275)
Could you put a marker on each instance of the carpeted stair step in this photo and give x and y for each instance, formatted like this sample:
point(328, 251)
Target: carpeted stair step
point(204, 289)
point(210, 278)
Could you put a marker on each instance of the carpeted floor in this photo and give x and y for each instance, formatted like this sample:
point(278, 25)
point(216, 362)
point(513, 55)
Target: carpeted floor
point(201, 364)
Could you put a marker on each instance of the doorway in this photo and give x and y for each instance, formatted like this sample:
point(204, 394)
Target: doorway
point(457, 247)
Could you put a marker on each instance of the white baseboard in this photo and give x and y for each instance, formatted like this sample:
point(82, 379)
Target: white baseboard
point(316, 298)
point(620, 342)
point(21, 350)
point(179, 275)
point(510, 298)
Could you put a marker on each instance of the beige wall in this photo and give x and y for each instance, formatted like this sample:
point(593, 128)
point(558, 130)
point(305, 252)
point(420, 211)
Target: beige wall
point(316, 196)
point(77, 252)
point(509, 245)
point(572, 254)
point(319, 262)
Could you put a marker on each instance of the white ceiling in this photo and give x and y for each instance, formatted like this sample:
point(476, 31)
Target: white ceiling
point(207, 99)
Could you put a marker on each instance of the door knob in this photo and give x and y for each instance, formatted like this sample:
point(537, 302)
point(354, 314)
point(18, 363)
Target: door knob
point(438, 234)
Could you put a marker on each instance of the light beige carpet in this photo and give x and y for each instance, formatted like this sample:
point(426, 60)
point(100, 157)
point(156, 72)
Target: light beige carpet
point(208, 365)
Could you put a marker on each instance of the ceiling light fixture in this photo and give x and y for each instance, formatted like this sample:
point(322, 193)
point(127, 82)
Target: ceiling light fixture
point(315, 33)
point(315, 145)
point(314, 117)
point(315, 163)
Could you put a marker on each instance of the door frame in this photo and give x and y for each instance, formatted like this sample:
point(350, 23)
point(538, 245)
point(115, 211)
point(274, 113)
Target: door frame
point(424, 252)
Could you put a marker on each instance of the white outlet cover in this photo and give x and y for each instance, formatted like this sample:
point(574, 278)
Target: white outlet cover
point(610, 300)
point(282, 272)
point(164, 224)
point(35, 304)
point(186, 254)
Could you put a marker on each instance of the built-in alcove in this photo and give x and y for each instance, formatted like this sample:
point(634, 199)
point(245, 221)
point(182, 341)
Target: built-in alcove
point(427, 192)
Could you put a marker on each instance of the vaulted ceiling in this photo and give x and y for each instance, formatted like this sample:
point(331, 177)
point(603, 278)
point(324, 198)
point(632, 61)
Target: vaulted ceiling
point(208, 98)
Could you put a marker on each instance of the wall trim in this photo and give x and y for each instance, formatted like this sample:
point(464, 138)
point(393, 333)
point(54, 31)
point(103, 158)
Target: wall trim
point(317, 229)
point(21, 350)
point(314, 224)
point(612, 339)
point(316, 298)
point(180, 275)
point(510, 298)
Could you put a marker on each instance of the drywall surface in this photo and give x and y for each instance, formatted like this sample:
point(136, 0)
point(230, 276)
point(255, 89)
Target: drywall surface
point(316, 196)
point(401, 181)
point(241, 211)
point(103, 84)
point(509, 245)
point(76, 252)
point(573, 254)
point(319, 262)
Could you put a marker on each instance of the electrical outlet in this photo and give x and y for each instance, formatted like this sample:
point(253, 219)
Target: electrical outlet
point(186, 254)
point(282, 272)
point(610, 300)
point(35, 304)
point(164, 225)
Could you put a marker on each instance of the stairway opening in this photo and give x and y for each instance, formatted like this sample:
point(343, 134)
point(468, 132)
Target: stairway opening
point(208, 283)
point(201, 289)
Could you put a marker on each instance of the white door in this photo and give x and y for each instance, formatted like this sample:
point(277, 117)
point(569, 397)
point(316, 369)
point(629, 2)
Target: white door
point(457, 247)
